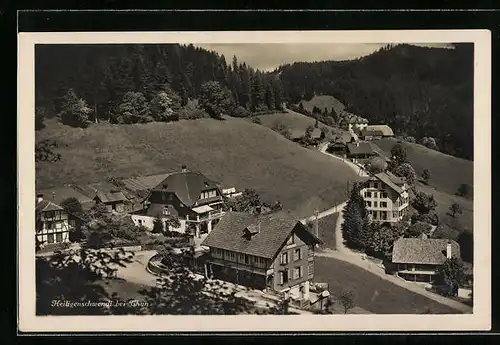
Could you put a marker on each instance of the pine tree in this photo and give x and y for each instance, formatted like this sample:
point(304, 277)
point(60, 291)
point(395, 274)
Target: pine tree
point(270, 101)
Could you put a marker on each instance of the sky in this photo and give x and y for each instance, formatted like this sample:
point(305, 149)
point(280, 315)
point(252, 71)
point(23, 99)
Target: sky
point(271, 55)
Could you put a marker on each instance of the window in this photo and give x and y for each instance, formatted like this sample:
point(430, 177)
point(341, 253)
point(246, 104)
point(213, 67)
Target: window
point(297, 273)
point(375, 204)
point(290, 240)
point(383, 215)
point(368, 194)
point(50, 238)
point(374, 215)
point(369, 203)
point(72, 222)
point(284, 258)
point(50, 225)
point(375, 194)
point(247, 259)
point(384, 195)
point(375, 185)
point(241, 257)
point(139, 221)
point(283, 277)
point(231, 256)
point(49, 214)
point(383, 204)
point(166, 211)
point(59, 237)
point(296, 254)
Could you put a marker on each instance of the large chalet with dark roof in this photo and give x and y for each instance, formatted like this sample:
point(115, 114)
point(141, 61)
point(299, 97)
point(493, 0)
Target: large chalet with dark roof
point(270, 252)
point(189, 196)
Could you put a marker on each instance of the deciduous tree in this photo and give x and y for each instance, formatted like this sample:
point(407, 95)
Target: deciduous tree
point(455, 209)
point(74, 110)
point(424, 203)
point(216, 99)
point(452, 272)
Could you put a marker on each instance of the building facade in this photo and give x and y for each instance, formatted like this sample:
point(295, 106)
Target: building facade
point(386, 197)
point(52, 224)
point(265, 252)
point(192, 198)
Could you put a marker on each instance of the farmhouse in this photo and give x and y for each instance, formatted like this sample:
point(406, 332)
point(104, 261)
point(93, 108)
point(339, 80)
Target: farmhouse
point(360, 152)
point(189, 196)
point(351, 121)
point(419, 259)
point(386, 197)
point(271, 252)
point(52, 225)
point(373, 132)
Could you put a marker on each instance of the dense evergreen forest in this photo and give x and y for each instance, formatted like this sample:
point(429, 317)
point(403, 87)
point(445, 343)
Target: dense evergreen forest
point(102, 75)
point(420, 92)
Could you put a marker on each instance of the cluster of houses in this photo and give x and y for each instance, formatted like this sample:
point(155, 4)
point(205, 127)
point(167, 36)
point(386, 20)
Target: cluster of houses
point(272, 252)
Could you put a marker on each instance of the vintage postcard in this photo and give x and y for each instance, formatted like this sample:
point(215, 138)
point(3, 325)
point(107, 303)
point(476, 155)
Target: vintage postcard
point(254, 181)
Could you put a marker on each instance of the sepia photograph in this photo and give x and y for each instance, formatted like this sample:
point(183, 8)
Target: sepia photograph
point(341, 178)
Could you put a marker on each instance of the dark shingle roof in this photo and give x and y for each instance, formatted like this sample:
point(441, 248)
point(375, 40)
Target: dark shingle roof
point(229, 233)
point(423, 251)
point(361, 148)
point(112, 196)
point(391, 180)
point(187, 186)
point(46, 205)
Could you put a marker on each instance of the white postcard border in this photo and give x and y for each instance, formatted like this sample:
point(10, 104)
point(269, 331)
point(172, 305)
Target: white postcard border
point(479, 320)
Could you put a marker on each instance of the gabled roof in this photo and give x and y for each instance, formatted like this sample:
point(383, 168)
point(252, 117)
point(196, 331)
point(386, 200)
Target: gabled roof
point(360, 148)
point(46, 205)
point(187, 186)
point(143, 183)
point(274, 229)
point(429, 251)
point(378, 130)
point(112, 196)
point(391, 180)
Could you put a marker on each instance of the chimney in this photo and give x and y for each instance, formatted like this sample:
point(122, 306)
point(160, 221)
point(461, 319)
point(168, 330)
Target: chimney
point(448, 250)
point(316, 227)
point(184, 168)
point(39, 197)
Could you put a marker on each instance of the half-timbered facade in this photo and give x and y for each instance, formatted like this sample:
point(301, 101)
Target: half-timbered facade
point(52, 225)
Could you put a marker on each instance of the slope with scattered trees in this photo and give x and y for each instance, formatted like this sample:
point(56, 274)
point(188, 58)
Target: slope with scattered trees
point(418, 91)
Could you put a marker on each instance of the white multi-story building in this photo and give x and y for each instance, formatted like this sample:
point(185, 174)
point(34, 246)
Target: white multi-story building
point(386, 197)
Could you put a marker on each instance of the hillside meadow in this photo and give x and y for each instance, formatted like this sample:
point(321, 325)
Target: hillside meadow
point(322, 102)
point(297, 123)
point(234, 152)
point(447, 172)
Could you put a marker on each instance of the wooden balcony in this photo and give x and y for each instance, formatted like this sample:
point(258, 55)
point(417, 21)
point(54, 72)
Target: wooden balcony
point(237, 266)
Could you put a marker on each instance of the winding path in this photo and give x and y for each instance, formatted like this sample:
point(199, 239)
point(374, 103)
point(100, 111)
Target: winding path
point(345, 254)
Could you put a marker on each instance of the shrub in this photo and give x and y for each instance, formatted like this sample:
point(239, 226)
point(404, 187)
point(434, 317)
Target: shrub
point(187, 113)
point(241, 112)
point(257, 120)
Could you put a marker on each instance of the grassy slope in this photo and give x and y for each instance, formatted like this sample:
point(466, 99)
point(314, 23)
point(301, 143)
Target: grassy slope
point(372, 292)
point(296, 122)
point(322, 102)
point(233, 152)
point(447, 173)
point(326, 227)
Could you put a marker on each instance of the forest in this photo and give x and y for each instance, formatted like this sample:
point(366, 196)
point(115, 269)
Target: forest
point(418, 91)
point(112, 79)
